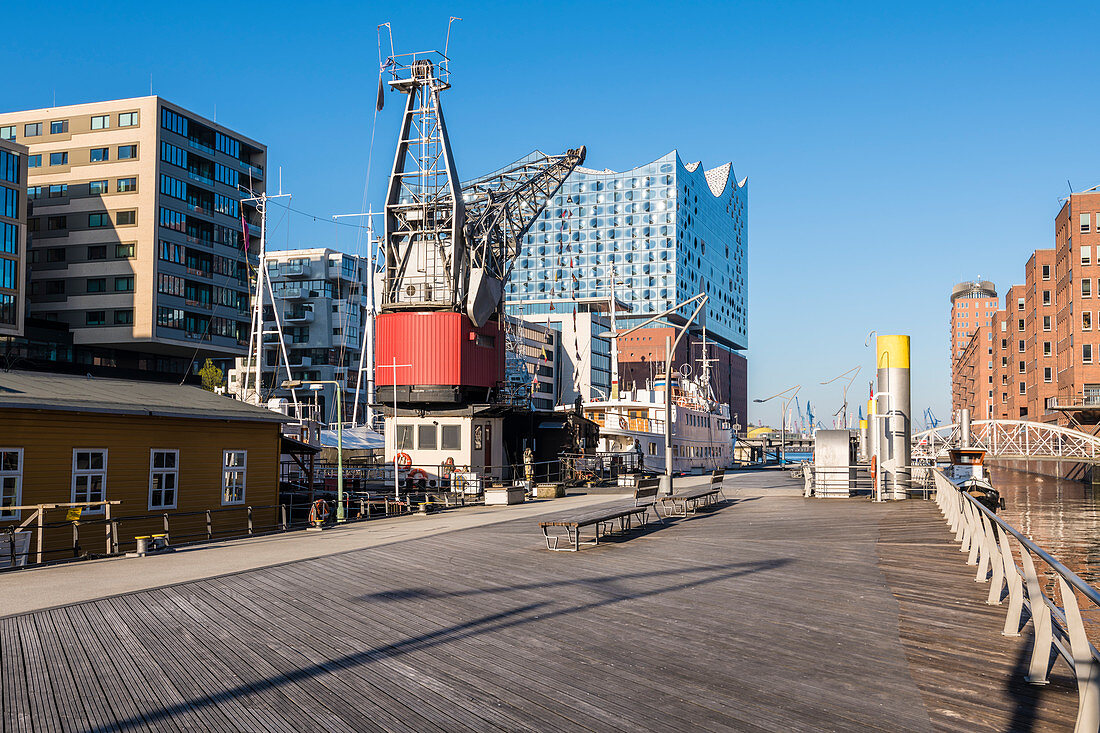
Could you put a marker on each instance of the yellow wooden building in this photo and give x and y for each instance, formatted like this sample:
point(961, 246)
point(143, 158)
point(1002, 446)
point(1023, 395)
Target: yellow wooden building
point(155, 448)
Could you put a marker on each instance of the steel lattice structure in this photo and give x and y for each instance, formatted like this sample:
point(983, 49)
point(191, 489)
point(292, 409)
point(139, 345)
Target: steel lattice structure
point(1011, 439)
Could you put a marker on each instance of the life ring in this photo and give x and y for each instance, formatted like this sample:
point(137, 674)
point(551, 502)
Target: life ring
point(318, 513)
point(417, 473)
point(623, 423)
point(448, 466)
point(403, 460)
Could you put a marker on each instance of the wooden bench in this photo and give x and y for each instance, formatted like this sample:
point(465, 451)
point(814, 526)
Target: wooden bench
point(603, 520)
point(680, 505)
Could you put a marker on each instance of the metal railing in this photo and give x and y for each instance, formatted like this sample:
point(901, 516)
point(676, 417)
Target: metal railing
point(993, 546)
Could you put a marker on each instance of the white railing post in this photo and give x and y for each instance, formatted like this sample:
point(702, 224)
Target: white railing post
point(1015, 589)
point(1040, 620)
point(1084, 664)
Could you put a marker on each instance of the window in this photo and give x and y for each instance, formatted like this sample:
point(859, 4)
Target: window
point(404, 437)
point(126, 218)
point(34, 129)
point(427, 438)
point(55, 223)
point(34, 161)
point(163, 478)
point(97, 187)
point(1046, 272)
point(233, 475)
point(59, 158)
point(1046, 297)
point(1086, 288)
point(1086, 353)
point(1048, 375)
point(99, 220)
point(126, 152)
point(98, 155)
point(11, 481)
point(59, 190)
point(451, 437)
point(1086, 320)
point(101, 122)
point(95, 318)
point(1046, 348)
point(128, 119)
point(97, 284)
point(1086, 255)
point(1085, 221)
point(1023, 388)
point(1046, 323)
point(1020, 325)
point(97, 252)
point(34, 192)
point(7, 132)
point(90, 477)
point(124, 317)
point(59, 126)
point(1021, 346)
point(55, 254)
point(125, 185)
point(1020, 304)
point(124, 250)
point(1023, 370)
point(124, 284)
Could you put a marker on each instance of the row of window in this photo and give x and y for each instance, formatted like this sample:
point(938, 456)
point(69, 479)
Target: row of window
point(59, 127)
point(9, 273)
point(9, 166)
point(95, 155)
point(121, 317)
point(95, 188)
point(89, 478)
point(9, 238)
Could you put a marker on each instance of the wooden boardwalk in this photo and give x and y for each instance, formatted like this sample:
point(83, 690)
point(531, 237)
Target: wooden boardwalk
point(771, 613)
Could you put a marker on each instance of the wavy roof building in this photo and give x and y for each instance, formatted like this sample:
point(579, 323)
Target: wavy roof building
point(663, 232)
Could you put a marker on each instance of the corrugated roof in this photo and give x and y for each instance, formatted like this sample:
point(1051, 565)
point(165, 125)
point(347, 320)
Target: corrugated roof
point(39, 391)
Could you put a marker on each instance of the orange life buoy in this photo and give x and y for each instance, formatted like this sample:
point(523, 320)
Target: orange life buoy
point(623, 423)
point(418, 473)
point(403, 460)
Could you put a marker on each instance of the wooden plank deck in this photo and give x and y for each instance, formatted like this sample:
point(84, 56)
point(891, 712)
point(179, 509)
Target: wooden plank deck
point(771, 613)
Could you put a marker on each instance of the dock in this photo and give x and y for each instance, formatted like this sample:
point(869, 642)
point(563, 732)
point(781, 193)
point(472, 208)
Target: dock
point(770, 613)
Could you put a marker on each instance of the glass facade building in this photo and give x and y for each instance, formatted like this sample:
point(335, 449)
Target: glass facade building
point(663, 232)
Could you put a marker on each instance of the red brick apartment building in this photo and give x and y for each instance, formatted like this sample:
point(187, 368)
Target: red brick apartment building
point(1040, 358)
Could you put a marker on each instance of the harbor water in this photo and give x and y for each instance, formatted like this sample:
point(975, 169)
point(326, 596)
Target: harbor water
point(1061, 516)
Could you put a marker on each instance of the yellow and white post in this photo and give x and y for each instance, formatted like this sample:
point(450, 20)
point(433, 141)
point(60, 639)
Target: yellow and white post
point(894, 426)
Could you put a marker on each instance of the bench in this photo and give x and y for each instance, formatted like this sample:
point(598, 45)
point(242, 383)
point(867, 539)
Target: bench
point(680, 505)
point(603, 520)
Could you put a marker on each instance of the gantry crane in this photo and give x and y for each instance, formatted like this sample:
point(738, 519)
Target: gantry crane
point(440, 340)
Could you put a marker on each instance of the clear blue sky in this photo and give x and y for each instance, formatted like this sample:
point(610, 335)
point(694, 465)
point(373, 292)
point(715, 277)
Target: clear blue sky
point(891, 150)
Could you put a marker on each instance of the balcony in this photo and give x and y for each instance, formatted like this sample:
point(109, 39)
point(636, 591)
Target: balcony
point(200, 273)
point(292, 294)
point(198, 304)
point(299, 361)
point(195, 176)
point(300, 315)
point(200, 146)
point(336, 272)
point(254, 170)
point(293, 269)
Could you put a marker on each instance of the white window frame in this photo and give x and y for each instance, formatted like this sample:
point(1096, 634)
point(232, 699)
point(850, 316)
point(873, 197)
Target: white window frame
point(154, 471)
point(77, 473)
point(228, 470)
point(18, 474)
point(1084, 359)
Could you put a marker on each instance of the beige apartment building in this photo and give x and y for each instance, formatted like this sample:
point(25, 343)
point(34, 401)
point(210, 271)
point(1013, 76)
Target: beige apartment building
point(135, 228)
point(1045, 351)
point(13, 237)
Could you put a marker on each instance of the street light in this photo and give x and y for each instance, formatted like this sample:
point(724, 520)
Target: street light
point(295, 384)
point(670, 349)
point(783, 419)
point(843, 412)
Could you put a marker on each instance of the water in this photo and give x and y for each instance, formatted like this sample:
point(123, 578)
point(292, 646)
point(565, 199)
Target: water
point(1062, 517)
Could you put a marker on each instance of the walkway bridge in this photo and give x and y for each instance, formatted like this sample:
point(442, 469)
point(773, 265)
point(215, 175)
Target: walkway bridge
point(1020, 439)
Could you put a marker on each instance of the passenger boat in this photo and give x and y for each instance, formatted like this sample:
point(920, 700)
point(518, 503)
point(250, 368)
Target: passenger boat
point(634, 421)
point(966, 469)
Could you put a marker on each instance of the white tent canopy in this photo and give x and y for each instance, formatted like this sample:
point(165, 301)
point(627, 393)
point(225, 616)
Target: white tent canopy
point(360, 438)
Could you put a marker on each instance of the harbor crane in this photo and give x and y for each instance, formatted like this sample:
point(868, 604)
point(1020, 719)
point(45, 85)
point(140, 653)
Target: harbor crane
point(448, 250)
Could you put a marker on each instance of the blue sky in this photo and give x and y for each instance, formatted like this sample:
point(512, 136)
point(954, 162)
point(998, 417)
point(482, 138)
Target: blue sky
point(891, 149)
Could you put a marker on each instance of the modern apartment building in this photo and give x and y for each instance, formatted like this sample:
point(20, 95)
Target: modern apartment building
point(136, 241)
point(13, 237)
point(320, 301)
point(1046, 365)
point(653, 236)
point(534, 361)
point(582, 326)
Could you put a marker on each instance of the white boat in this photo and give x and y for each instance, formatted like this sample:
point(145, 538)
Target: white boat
point(634, 420)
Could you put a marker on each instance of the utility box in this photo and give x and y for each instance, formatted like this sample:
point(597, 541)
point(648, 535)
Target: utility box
point(835, 458)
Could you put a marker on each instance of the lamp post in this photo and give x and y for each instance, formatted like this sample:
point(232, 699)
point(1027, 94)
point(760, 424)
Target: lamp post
point(843, 412)
point(783, 419)
point(670, 349)
point(316, 384)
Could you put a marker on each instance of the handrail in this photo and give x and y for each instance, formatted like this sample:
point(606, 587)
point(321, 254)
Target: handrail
point(985, 538)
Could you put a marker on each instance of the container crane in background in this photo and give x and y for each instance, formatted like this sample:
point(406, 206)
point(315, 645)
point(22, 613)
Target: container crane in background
point(440, 337)
point(930, 419)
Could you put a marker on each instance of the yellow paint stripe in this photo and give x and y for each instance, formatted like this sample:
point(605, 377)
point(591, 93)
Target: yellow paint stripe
point(893, 352)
